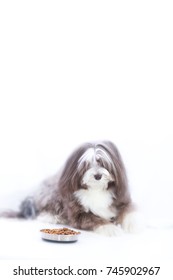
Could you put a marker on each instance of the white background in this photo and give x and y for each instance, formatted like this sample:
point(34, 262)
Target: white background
point(75, 71)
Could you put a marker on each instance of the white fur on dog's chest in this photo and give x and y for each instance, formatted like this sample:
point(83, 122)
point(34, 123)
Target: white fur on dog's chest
point(98, 201)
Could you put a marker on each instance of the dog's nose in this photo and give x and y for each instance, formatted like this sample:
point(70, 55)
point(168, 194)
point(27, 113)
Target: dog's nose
point(97, 176)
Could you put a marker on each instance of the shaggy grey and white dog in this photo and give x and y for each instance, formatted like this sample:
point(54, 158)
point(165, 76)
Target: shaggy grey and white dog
point(90, 192)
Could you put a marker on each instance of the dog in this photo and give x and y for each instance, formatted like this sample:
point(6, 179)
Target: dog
point(90, 192)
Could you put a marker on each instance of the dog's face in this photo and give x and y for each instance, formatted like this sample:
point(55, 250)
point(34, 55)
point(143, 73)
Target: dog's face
point(97, 168)
point(94, 166)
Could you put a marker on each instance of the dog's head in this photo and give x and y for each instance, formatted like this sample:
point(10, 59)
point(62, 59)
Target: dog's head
point(95, 165)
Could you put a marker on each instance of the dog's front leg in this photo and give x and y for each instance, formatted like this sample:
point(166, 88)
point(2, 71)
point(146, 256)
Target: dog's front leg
point(89, 221)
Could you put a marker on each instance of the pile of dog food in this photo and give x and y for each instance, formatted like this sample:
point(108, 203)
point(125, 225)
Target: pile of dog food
point(61, 231)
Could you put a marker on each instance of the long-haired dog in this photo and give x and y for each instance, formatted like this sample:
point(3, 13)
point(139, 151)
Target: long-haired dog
point(90, 192)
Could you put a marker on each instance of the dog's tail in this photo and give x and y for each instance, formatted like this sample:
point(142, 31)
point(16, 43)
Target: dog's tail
point(10, 214)
point(27, 210)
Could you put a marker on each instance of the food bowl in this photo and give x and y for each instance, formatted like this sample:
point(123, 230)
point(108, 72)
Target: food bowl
point(60, 235)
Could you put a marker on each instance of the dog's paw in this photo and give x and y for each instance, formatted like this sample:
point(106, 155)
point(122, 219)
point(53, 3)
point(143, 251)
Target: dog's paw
point(132, 223)
point(109, 230)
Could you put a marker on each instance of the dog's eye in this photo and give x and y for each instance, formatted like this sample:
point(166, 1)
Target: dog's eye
point(100, 162)
point(84, 186)
point(111, 184)
point(83, 167)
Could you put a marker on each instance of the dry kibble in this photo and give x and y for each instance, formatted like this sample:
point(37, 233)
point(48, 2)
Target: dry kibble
point(61, 231)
